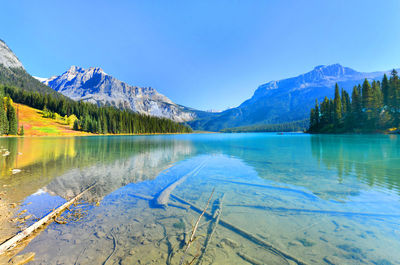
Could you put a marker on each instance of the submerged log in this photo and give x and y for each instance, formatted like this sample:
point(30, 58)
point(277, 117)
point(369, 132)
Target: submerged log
point(22, 259)
point(249, 259)
point(12, 242)
point(163, 198)
point(285, 189)
point(150, 198)
point(244, 233)
point(312, 211)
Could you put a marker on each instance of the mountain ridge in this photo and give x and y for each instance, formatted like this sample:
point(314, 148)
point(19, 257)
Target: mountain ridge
point(7, 57)
point(95, 86)
point(286, 100)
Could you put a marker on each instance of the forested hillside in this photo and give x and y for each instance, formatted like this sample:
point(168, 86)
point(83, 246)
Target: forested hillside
point(373, 107)
point(22, 88)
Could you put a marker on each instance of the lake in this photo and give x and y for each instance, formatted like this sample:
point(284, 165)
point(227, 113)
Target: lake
point(282, 199)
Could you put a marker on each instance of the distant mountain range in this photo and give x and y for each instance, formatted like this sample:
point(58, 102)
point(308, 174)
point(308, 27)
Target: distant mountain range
point(285, 100)
point(275, 102)
point(95, 86)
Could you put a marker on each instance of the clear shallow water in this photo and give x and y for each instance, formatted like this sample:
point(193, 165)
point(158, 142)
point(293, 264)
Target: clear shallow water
point(321, 199)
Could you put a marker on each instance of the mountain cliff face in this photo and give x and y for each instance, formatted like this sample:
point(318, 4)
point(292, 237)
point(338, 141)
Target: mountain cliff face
point(286, 100)
point(95, 86)
point(8, 58)
point(12, 72)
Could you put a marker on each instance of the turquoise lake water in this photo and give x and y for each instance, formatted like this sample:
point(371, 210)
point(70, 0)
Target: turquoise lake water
point(316, 199)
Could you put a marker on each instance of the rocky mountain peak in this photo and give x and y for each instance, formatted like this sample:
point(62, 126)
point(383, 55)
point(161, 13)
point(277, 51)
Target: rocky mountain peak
point(7, 58)
point(95, 86)
point(74, 69)
point(335, 70)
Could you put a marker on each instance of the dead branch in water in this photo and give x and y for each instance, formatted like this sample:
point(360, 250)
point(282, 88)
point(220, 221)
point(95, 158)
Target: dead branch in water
point(244, 233)
point(114, 248)
point(192, 237)
point(216, 216)
point(12, 242)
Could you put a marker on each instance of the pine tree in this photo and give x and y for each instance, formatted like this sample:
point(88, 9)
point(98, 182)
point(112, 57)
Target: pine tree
point(356, 107)
point(331, 112)
point(325, 113)
point(385, 90)
point(12, 119)
point(377, 103)
point(3, 117)
point(104, 127)
point(367, 104)
point(317, 115)
point(312, 126)
point(337, 106)
point(394, 98)
point(367, 95)
point(22, 131)
point(76, 125)
point(344, 102)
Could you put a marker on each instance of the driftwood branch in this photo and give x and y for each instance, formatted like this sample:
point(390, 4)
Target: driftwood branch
point(244, 233)
point(114, 248)
point(192, 236)
point(216, 216)
point(12, 242)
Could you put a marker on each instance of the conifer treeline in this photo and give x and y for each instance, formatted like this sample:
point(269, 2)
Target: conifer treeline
point(372, 107)
point(93, 118)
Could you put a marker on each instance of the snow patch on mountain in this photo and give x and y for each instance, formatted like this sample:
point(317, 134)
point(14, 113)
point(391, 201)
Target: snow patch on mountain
point(41, 79)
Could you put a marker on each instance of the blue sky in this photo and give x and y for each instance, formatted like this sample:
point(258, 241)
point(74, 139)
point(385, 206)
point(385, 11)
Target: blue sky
point(202, 54)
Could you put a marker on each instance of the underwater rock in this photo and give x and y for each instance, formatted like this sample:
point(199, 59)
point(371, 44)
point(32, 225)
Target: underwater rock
point(100, 234)
point(249, 259)
point(144, 241)
point(355, 251)
point(383, 262)
point(22, 259)
point(294, 244)
point(332, 260)
point(150, 225)
point(137, 236)
point(130, 260)
point(15, 171)
point(305, 242)
point(229, 242)
point(67, 237)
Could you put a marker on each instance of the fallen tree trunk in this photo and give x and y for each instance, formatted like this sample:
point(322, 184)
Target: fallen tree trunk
point(284, 189)
point(149, 198)
point(12, 242)
point(314, 211)
point(163, 198)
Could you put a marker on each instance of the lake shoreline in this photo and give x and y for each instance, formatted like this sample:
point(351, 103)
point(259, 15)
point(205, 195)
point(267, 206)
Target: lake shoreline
point(91, 134)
